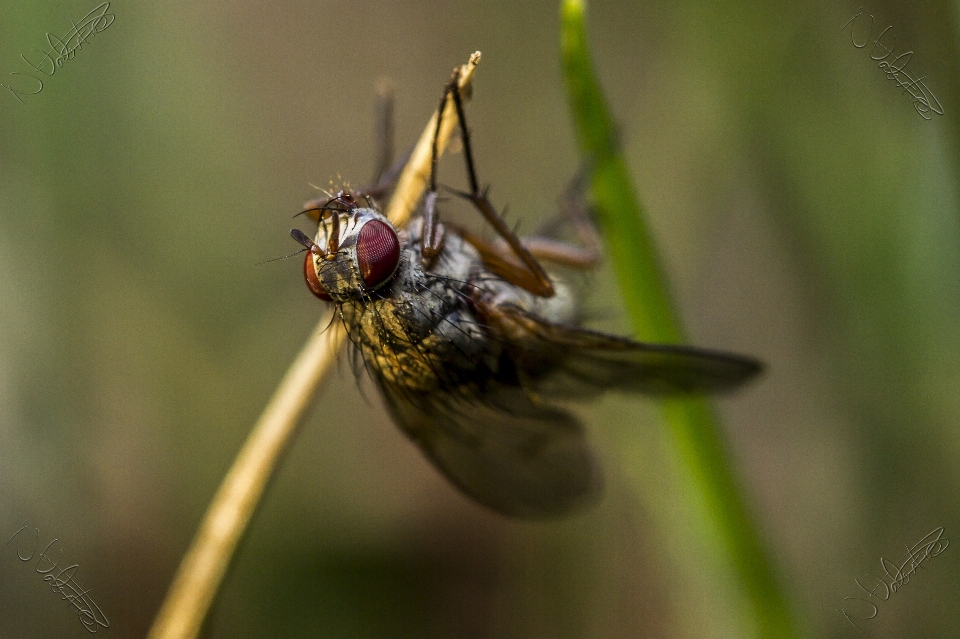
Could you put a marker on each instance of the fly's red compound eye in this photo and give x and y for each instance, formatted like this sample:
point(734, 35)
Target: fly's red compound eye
point(378, 252)
point(313, 282)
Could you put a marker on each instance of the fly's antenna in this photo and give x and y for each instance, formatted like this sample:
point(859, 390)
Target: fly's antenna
point(277, 259)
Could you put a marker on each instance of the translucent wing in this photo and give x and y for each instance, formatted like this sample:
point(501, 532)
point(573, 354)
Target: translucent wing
point(563, 361)
point(508, 453)
point(496, 440)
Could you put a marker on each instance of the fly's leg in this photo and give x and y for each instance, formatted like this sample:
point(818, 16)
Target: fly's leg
point(386, 174)
point(346, 199)
point(432, 234)
point(387, 171)
point(500, 259)
point(573, 210)
point(534, 279)
point(384, 128)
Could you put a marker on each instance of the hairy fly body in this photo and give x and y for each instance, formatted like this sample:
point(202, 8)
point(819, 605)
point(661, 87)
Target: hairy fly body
point(472, 343)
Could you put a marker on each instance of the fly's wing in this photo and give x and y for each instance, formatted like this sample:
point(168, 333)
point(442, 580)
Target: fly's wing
point(562, 361)
point(502, 449)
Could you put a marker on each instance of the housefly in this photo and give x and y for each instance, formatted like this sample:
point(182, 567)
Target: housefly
point(472, 343)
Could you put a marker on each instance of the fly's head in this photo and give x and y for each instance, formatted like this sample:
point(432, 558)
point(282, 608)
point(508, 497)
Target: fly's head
point(356, 252)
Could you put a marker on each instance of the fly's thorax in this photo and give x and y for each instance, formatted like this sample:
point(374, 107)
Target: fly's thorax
point(457, 259)
point(366, 256)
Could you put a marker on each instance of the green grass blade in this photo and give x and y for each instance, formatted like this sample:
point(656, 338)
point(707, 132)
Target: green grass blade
point(692, 422)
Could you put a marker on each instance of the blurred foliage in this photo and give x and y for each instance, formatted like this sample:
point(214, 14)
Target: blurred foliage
point(806, 214)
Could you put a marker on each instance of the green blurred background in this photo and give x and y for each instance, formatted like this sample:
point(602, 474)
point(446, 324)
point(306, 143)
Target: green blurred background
point(805, 212)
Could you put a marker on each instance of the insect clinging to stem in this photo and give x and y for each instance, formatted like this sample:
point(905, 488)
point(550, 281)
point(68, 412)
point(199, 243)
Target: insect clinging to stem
point(472, 343)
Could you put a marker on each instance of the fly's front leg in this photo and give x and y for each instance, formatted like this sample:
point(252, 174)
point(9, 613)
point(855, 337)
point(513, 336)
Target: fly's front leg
point(537, 281)
point(432, 234)
point(533, 278)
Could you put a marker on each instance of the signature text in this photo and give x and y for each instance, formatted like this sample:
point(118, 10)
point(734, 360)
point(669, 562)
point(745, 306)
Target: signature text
point(896, 68)
point(896, 576)
point(62, 581)
point(46, 62)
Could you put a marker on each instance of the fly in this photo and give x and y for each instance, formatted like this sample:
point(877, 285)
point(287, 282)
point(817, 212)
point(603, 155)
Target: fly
point(472, 343)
